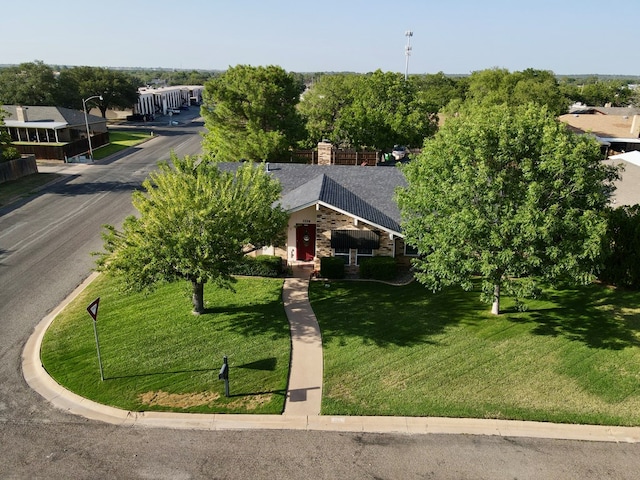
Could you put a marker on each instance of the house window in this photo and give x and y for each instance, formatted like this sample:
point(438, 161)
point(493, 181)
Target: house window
point(410, 250)
point(343, 253)
point(355, 239)
point(363, 253)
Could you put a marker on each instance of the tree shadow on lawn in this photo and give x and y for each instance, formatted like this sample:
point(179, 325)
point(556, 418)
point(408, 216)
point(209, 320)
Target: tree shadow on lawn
point(265, 364)
point(251, 320)
point(598, 316)
point(153, 374)
point(390, 315)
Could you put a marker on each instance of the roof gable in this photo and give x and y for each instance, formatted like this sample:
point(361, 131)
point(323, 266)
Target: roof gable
point(366, 193)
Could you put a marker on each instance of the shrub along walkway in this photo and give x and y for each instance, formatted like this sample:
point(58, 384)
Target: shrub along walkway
point(304, 393)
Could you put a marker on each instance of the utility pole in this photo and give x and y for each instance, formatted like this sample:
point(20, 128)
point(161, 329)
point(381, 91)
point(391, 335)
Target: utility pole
point(407, 52)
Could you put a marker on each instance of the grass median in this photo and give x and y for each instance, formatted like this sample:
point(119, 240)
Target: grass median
point(158, 356)
point(573, 357)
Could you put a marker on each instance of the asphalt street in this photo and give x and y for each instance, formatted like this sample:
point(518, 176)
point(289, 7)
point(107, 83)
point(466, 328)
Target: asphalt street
point(45, 246)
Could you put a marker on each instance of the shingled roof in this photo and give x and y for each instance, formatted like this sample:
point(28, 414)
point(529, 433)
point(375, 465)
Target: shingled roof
point(49, 114)
point(365, 193)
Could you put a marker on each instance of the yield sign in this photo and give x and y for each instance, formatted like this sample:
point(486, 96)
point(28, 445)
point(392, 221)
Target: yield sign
point(93, 309)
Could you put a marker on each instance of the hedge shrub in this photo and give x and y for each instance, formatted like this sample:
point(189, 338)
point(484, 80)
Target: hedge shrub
point(260, 266)
point(378, 268)
point(332, 267)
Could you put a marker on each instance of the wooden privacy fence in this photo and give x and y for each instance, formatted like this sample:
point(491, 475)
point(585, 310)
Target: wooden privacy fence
point(44, 151)
point(338, 157)
point(20, 167)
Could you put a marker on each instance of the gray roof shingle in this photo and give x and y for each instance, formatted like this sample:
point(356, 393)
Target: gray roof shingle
point(363, 192)
point(52, 114)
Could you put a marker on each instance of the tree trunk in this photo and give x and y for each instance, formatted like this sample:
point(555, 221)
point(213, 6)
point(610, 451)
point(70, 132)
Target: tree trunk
point(198, 297)
point(495, 308)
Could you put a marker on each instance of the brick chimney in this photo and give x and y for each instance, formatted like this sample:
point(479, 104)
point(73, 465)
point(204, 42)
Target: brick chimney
point(325, 150)
point(21, 113)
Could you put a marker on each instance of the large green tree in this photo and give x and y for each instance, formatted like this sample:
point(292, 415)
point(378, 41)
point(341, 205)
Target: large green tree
point(496, 86)
point(322, 106)
point(509, 195)
point(377, 111)
point(603, 92)
point(436, 91)
point(194, 221)
point(31, 83)
point(117, 89)
point(387, 111)
point(250, 113)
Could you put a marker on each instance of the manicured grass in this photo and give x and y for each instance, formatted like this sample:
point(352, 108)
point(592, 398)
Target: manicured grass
point(573, 357)
point(119, 140)
point(24, 186)
point(158, 356)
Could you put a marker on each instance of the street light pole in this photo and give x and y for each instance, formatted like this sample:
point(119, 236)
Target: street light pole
point(86, 121)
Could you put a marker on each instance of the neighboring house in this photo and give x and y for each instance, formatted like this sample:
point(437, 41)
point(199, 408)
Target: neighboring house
point(616, 128)
point(628, 187)
point(618, 131)
point(339, 211)
point(53, 133)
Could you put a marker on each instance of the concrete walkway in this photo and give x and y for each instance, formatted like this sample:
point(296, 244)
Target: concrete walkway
point(304, 394)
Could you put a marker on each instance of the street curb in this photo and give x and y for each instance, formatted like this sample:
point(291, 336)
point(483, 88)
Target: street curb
point(38, 379)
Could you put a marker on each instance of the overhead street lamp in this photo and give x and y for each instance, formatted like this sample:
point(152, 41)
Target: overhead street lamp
point(86, 121)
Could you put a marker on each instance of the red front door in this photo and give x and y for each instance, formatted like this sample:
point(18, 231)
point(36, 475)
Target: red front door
point(306, 242)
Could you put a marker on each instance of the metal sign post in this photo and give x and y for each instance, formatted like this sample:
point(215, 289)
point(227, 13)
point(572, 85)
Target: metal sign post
point(93, 311)
point(224, 375)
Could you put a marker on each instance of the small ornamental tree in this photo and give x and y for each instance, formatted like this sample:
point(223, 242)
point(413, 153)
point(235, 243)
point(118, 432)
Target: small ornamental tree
point(194, 221)
point(7, 150)
point(508, 195)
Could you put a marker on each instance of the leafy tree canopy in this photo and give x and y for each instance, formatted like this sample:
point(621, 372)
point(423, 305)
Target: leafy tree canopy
point(496, 86)
point(322, 106)
point(118, 89)
point(193, 223)
point(376, 110)
point(250, 113)
point(507, 194)
point(436, 91)
point(7, 150)
point(32, 83)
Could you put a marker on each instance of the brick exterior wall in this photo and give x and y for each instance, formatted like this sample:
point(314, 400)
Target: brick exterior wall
point(328, 220)
point(325, 153)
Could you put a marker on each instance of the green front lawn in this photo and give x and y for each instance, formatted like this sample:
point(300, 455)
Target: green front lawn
point(24, 186)
point(158, 356)
point(119, 140)
point(573, 357)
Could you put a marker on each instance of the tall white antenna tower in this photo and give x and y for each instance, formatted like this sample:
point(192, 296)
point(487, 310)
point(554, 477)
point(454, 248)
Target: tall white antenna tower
point(407, 52)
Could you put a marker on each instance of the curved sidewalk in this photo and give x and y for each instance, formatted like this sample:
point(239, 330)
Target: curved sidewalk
point(38, 379)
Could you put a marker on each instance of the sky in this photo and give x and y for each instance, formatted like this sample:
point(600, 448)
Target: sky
point(454, 37)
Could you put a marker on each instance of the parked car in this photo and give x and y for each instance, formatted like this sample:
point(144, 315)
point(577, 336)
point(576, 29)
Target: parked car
point(399, 152)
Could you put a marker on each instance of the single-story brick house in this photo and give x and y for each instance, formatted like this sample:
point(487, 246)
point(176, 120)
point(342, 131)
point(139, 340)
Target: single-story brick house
point(339, 211)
